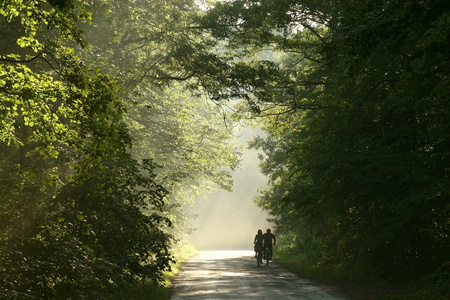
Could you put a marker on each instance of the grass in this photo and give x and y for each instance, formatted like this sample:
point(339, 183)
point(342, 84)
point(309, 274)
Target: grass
point(182, 254)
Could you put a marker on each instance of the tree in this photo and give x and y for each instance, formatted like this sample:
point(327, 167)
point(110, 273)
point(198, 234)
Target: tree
point(159, 59)
point(72, 198)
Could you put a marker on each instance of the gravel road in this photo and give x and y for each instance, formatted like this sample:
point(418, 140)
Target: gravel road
point(234, 275)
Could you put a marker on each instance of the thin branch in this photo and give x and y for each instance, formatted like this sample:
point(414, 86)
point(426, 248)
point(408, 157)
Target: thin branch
point(169, 77)
point(302, 83)
point(315, 32)
point(23, 60)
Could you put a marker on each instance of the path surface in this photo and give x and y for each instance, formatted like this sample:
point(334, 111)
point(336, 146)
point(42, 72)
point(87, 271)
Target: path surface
point(234, 275)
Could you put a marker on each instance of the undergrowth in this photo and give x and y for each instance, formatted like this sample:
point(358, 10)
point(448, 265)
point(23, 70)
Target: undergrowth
point(147, 290)
point(435, 286)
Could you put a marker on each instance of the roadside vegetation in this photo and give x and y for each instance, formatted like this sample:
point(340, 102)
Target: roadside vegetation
point(146, 289)
point(360, 287)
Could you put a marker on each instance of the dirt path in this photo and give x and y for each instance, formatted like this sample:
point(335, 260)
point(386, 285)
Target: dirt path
point(234, 275)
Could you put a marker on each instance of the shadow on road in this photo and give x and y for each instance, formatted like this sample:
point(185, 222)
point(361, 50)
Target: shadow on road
point(235, 275)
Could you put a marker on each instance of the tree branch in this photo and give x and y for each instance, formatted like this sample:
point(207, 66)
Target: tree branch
point(39, 55)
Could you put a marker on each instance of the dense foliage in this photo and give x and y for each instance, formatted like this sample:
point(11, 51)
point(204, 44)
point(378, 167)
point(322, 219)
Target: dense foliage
point(79, 217)
point(99, 151)
point(354, 98)
point(111, 121)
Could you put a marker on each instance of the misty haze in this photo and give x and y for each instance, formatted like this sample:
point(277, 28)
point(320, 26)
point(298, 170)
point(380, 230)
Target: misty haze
point(230, 220)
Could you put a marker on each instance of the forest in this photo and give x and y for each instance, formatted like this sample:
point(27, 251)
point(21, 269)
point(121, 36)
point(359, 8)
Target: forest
point(116, 114)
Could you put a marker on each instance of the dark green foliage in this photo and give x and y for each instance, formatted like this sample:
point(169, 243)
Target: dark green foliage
point(78, 217)
point(88, 240)
point(360, 177)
